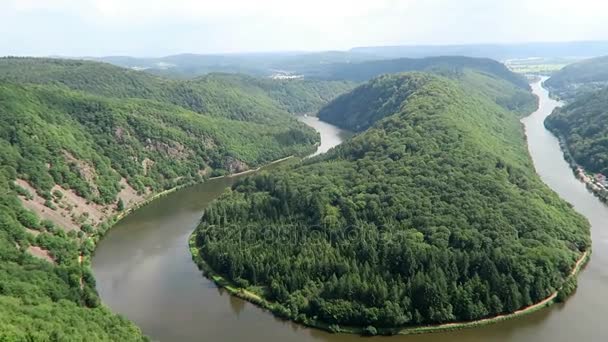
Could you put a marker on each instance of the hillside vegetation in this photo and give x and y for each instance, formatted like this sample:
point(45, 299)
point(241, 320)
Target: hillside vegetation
point(46, 130)
point(81, 142)
point(433, 214)
point(233, 96)
point(190, 65)
point(367, 104)
point(582, 124)
point(580, 77)
point(265, 64)
point(367, 70)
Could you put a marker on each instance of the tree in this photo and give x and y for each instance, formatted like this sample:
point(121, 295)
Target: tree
point(120, 205)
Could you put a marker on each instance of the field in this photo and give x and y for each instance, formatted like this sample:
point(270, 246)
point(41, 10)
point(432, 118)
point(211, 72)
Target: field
point(538, 65)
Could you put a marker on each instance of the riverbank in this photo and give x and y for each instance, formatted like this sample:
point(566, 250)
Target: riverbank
point(232, 175)
point(116, 218)
point(276, 308)
point(580, 173)
point(580, 263)
point(84, 260)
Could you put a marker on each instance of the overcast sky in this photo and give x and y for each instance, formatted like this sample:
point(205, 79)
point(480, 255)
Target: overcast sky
point(161, 27)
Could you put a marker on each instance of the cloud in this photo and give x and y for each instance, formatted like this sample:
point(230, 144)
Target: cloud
point(154, 27)
point(120, 9)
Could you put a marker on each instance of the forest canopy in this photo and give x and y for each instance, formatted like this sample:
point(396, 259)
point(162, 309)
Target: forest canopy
point(580, 77)
point(582, 126)
point(432, 214)
point(92, 129)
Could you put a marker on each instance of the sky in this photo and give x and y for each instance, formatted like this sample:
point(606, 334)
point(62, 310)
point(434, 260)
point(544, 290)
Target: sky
point(156, 27)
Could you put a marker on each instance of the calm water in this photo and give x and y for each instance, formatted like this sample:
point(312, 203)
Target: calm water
point(330, 134)
point(144, 270)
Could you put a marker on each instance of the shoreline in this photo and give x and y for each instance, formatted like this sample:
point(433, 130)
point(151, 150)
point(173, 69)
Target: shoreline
point(85, 260)
point(112, 221)
point(274, 307)
point(232, 175)
point(577, 170)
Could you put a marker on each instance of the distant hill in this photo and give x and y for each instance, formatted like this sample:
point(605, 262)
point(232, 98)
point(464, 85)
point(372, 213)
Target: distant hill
point(367, 70)
point(433, 214)
point(583, 126)
point(293, 63)
point(232, 96)
point(587, 75)
point(494, 51)
point(485, 76)
point(255, 64)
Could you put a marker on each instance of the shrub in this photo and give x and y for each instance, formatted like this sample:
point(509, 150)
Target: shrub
point(370, 330)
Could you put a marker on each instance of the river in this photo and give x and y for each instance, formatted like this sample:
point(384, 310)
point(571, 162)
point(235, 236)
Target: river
point(144, 269)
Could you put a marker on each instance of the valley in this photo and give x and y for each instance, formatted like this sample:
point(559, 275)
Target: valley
point(319, 171)
point(368, 228)
point(84, 144)
point(153, 241)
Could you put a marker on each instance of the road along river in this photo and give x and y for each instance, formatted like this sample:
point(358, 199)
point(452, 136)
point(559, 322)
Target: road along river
point(144, 269)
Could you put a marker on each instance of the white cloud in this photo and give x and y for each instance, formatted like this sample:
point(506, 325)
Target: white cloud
point(208, 8)
point(164, 26)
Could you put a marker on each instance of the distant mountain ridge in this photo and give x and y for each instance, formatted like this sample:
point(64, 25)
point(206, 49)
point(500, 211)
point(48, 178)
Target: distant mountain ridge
point(494, 51)
point(189, 65)
point(239, 97)
point(363, 71)
point(479, 75)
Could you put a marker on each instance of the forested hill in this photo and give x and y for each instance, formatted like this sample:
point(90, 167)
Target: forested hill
point(582, 124)
point(232, 96)
point(80, 142)
point(367, 70)
point(359, 109)
point(434, 214)
point(586, 75)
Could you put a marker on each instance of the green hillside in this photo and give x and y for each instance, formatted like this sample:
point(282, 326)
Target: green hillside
point(43, 124)
point(231, 96)
point(80, 142)
point(434, 214)
point(367, 70)
point(582, 126)
point(586, 75)
point(190, 65)
point(371, 102)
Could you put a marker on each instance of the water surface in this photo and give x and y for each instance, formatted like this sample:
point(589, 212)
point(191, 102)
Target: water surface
point(330, 134)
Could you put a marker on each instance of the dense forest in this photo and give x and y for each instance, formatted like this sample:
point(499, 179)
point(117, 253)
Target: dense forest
point(46, 130)
point(46, 300)
point(233, 96)
point(366, 70)
point(369, 103)
point(486, 77)
point(582, 124)
point(433, 214)
point(76, 136)
point(580, 77)
point(190, 65)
